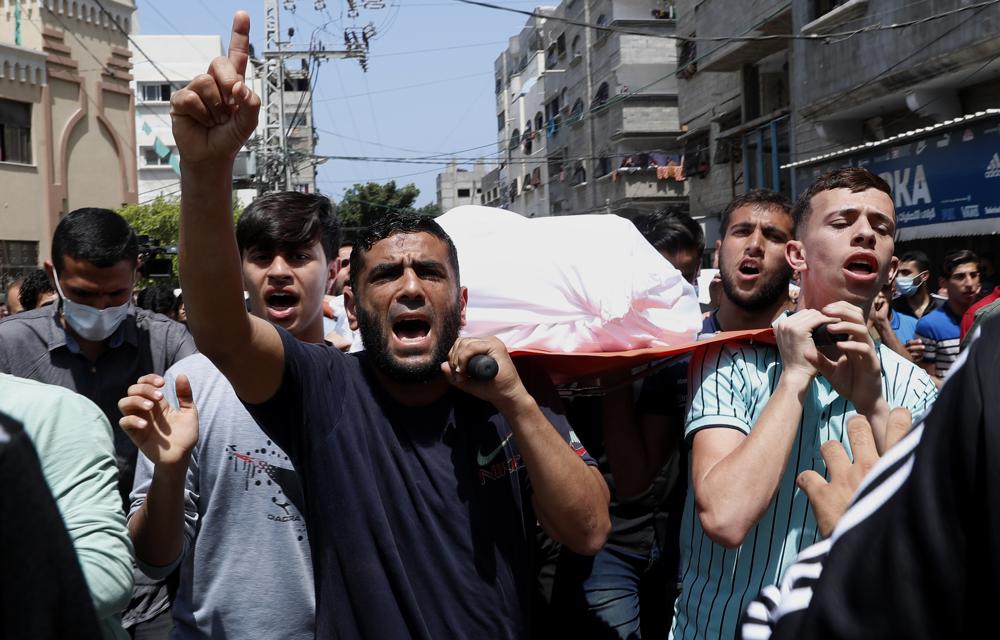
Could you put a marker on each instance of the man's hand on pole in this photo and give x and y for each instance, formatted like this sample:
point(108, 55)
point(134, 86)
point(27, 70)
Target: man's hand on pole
point(217, 111)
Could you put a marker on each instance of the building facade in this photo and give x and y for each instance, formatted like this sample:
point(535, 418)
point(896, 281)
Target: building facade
point(457, 186)
point(919, 105)
point(67, 133)
point(734, 101)
point(164, 64)
point(587, 118)
point(916, 103)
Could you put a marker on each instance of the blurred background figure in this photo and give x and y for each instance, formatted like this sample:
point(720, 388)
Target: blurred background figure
point(11, 300)
point(36, 290)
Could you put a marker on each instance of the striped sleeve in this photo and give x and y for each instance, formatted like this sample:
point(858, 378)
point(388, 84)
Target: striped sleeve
point(720, 392)
point(930, 348)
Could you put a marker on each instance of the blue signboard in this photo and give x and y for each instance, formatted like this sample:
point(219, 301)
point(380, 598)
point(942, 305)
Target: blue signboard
point(948, 176)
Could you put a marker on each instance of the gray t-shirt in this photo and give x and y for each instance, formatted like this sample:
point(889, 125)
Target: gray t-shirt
point(246, 570)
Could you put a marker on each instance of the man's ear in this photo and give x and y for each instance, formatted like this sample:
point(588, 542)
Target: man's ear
point(332, 267)
point(942, 283)
point(795, 255)
point(893, 268)
point(50, 271)
point(463, 301)
point(349, 302)
point(715, 254)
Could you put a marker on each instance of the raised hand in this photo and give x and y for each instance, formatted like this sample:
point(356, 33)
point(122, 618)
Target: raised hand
point(830, 500)
point(164, 435)
point(216, 112)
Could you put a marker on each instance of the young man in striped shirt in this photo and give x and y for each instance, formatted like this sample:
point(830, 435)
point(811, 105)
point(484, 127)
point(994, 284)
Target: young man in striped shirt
point(758, 414)
point(940, 330)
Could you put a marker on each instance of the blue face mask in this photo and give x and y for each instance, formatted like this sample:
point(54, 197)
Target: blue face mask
point(89, 322)
point(906, 286)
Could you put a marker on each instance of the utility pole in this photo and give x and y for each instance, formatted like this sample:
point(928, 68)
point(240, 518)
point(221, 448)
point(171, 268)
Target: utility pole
point(274, 165)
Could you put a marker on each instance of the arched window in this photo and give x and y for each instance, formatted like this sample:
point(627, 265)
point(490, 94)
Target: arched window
point(576, 48)
point(577, 107)
point(528, 137)
point(515, 139)
point(602, 34)
point(579, 175)
point(601, 96)
point(539, 121)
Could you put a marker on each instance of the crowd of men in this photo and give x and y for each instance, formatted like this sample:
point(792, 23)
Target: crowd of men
point(231, 465)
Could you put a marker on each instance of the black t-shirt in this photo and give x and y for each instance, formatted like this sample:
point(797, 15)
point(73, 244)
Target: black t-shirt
point(419, 518)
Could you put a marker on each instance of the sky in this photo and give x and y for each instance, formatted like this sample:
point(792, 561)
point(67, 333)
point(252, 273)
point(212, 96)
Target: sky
point(428, 89)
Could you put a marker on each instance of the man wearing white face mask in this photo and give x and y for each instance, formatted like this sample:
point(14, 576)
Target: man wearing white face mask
point(93, 340)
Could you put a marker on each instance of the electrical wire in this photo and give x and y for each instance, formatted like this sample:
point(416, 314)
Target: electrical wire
point(437, 49)
point(409, 86)
point(826, 37)
point(829, 146)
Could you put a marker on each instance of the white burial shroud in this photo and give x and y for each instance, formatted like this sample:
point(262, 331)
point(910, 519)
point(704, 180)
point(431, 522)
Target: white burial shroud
point(566, 284)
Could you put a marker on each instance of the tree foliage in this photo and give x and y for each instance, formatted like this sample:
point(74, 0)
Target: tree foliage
point(363, 204)
point(160, 220)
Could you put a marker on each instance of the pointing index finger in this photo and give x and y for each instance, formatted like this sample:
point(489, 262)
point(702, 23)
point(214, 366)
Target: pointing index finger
point(239, 43)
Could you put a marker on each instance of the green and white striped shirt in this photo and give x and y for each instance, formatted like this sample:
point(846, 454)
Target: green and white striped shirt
point(731, 384)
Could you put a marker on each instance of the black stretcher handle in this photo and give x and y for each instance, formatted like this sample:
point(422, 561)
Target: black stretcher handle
point(822, 337)
point(482, 367)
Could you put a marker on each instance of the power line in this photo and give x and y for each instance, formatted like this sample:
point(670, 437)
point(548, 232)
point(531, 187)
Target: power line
point(436, 49)
point(741, 38)
point(111, 19)
point(385, 179)
point(409, 86)
point(899, 62)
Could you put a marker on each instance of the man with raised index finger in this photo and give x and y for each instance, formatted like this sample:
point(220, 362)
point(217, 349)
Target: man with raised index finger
point(421, 486)
point(758, 414)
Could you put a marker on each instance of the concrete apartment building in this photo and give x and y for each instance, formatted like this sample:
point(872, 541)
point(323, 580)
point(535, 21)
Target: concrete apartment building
point(734, 102)
point(919, 106)
point(915, 104)
point(173, 61)
point(299, 125)
point(67, 133)
point(587, 119)
point(457, 186)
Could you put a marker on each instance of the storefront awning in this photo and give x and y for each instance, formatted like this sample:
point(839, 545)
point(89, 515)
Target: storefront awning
point(961, 228)
point(945, 179)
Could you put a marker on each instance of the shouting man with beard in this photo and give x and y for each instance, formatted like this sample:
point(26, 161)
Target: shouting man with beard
point(421, 485)
point(752, 265)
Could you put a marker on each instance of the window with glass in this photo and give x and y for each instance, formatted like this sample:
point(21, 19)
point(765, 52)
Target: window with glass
point(15, 131)
point(155, 91)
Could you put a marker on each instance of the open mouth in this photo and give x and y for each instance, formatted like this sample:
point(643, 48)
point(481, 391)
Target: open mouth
point(748, 268)
point(281, 303)
point(411, 329)
point(861, 266)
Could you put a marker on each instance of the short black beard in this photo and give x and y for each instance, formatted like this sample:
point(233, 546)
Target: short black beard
point(767, 296)
point(376, 342)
